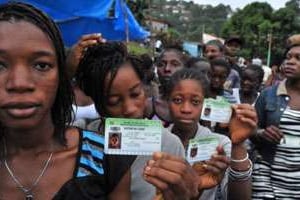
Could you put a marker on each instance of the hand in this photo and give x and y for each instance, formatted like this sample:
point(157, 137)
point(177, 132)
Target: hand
point(77, 50)
point(243, 123)
point(272, 134)
point(212, 172)
point(172, 175)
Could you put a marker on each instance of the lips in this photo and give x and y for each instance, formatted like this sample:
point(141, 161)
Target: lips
point(186, 121)
point(289, 70)
point(20, 109)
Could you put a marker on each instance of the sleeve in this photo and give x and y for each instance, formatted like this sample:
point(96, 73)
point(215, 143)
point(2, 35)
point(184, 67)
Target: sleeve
point(259, 107)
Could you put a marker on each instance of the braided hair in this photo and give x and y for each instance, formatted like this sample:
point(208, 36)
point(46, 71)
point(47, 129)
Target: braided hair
point(61, 111)
point(99, 62)
point(188, 74)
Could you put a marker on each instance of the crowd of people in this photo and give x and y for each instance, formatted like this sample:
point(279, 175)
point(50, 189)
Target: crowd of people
point(54, 102)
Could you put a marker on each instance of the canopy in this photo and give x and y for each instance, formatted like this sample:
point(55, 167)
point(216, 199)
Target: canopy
point(112, 18)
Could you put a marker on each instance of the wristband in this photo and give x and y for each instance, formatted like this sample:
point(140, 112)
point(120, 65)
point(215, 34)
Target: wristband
point(242, 160)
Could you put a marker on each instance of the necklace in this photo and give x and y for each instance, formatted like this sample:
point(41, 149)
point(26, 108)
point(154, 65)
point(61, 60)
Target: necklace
point(27, 191)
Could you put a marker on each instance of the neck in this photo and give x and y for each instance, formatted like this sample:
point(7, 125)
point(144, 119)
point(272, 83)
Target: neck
point(293, 84)
point(248, 97)
point(33, 141)
point(215, 92)
point(185, 134)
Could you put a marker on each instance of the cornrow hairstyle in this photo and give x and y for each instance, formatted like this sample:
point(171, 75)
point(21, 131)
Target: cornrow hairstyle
point(188, 74)
point(100, 64)
point(258, 71)
point(222, 63)
point(61, 111)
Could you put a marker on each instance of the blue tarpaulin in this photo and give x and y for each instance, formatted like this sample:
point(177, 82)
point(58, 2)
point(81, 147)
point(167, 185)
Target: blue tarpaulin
point(112, 18)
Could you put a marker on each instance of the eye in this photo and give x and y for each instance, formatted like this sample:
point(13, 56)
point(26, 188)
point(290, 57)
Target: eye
point(135, 94)
point(2, 66)
point(196, 102)
point(42, 66)
point(177, 100)
point(113, 101)
point(161, 64)
point(176, 64)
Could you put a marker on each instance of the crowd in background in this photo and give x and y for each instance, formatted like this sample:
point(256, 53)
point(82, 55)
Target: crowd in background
point(49, 152)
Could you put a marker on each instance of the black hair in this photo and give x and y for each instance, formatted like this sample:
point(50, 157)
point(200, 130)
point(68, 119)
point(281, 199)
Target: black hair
point(258, 71)
point(193, 60)
point(61, 111)
point(187, 74)
point(216, 43)
point(98, 62)
point(147, 61)
point(222, 63)
point(183, 57)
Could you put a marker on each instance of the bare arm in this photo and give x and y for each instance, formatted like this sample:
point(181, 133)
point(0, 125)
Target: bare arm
point(122, 190)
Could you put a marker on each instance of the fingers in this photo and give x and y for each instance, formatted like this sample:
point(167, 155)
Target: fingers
point(166, 156)
point(272, 134)
point(218, 162)
point(246, 113)
point(175, 166)
point(94, 36)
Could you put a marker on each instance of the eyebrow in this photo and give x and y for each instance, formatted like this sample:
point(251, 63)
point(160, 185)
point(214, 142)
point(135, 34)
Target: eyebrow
point(130, 89)
point(135, 86)
point(38, 53)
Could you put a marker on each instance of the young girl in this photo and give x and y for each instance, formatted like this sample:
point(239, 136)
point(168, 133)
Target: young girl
point(41, 156)
point(187, 89)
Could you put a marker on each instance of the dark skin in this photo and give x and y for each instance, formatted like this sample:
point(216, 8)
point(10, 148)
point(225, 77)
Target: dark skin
point(218, 77)
point(292, 73)
point(29, 81)
point(249, 86)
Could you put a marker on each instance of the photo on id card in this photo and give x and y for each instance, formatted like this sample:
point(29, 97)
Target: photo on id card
point(216, 110)
point(132, 136)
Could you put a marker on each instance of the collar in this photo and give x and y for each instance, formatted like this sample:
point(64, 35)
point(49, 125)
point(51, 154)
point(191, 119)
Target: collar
point(281, 90)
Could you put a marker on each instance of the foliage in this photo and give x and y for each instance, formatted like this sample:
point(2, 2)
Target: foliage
point(138, 49)
point(257, 20)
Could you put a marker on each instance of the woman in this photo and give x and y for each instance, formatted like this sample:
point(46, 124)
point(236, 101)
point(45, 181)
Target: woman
point(276, 170)
point(41, 156)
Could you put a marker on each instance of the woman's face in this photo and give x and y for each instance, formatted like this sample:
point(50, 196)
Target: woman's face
point(126, 97)
point(185, 103)
point(28, 75)
point(291, 67)
point(249, 81)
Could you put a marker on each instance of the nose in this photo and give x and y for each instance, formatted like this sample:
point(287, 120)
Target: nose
point(186, 108)
point(19, 79)
point(168, 68)
point(129, 109)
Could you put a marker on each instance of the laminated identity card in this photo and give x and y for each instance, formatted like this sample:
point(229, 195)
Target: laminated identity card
point(132, 136)
point(201, 148)
point(216, 110)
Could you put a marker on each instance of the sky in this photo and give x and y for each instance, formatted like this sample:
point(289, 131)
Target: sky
point(241, 3)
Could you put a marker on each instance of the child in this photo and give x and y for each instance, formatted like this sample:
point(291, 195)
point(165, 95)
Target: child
point(186, 92)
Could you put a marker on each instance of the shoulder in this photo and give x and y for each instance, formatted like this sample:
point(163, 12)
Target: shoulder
point(171, 143)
